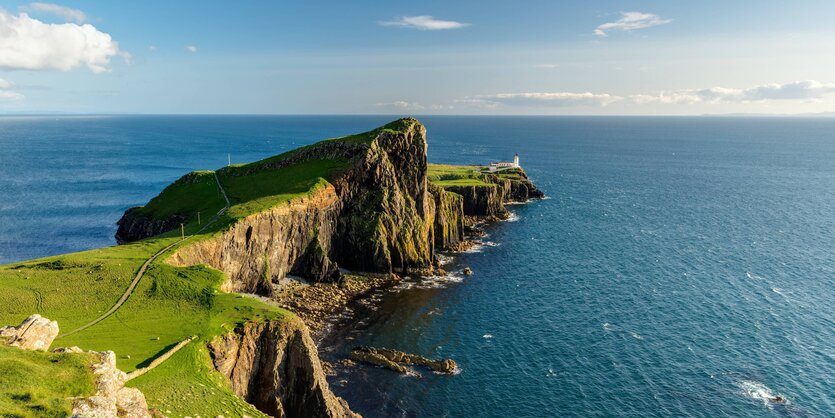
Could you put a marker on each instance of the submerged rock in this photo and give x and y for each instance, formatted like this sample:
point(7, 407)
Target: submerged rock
point(34, 333)
point(395, 360)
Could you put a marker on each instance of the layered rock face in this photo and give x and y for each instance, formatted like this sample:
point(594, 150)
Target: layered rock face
point(378, 216)
point(449, 219)
point(291, 238)
point(482, 201)
point(274, 366)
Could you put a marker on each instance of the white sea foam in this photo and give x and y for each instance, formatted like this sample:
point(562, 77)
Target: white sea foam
point(758, 391)
point(444, 259)
point(637, 336)
point(487, 336)
point(512, 218)
point(607, 326)
point(551, 373)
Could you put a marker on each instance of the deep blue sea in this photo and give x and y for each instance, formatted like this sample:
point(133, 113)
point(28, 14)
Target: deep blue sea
point(680, 267)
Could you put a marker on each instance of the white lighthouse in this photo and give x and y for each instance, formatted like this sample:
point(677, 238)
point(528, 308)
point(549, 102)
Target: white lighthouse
point(516, 161)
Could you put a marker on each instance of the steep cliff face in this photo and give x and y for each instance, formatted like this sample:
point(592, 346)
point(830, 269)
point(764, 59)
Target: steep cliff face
point(134, 226)
point(377, 216)
point(522, 189)
point(449, 219)
point(482, 201)
point(290, 238)
point(388, 210)
point(274, 366)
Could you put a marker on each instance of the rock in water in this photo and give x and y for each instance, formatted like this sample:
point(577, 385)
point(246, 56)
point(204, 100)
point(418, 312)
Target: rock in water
point(34, 333)
point(394, 360)
point(467, 271)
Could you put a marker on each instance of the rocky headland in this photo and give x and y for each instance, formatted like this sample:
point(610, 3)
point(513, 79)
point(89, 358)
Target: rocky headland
point(309, 231)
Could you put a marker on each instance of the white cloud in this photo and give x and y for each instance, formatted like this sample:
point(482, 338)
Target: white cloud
point(631, 21)
point(548, 66)
point(152, 48)
point(424, 23)
point(796, 90)
point(551, 99)
point(402, 105)
point(5, 94)
point(67, 13)
point(29, 44)
point(191, 48)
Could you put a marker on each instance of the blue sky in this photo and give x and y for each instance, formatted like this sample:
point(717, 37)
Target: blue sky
point(398, 57)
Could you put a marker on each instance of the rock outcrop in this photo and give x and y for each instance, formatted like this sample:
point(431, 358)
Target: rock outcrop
point(274, 366)
point(395, 360)
point(112, 398)
point(34, 333)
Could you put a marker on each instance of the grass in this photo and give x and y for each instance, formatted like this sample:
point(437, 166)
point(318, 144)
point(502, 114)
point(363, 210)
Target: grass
point(455, 175)
point(261, 190)
point(194, 192)
point(39, 384)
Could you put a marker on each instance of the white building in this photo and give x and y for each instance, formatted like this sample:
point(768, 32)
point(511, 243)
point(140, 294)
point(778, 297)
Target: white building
point(504, 165)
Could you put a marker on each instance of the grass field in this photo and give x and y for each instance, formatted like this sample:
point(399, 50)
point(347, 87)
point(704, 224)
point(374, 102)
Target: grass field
point(36, 383)
point(455, 175)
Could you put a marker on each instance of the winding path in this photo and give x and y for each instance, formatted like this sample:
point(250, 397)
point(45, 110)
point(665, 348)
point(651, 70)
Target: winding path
point(147, 263)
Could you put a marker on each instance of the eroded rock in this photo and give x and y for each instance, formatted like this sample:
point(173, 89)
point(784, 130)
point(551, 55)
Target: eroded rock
point(34, 333)
point(112, 398)
point(395, 360)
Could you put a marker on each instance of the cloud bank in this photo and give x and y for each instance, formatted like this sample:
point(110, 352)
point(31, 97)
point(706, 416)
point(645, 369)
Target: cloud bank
point(5, 94)
point(424, 23)
point(630, 21)
point(66, 13)
point(796, 90)
point(29, 44)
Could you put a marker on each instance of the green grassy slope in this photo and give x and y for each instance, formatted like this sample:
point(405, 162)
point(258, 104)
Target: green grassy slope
point(35, 383)
point(455, 175)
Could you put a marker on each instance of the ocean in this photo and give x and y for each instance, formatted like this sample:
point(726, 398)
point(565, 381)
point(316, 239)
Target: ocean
point(680, 266)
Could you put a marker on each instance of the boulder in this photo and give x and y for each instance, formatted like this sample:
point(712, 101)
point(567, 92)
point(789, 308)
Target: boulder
point(34, 333)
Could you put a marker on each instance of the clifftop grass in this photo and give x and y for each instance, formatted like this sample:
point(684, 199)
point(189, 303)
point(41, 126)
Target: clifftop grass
point(455, 175)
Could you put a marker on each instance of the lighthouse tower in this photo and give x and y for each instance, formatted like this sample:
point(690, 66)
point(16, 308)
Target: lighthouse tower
point(516, 160)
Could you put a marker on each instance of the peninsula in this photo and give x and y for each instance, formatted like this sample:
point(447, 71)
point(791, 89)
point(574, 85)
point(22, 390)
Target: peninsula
point(207, 305)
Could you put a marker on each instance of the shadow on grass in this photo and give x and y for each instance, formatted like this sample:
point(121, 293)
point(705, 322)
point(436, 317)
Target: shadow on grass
point(147, 362)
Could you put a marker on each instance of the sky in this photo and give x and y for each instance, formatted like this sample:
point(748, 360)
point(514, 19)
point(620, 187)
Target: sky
point(429, 57)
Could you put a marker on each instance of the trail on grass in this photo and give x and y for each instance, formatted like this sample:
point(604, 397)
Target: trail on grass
point(148, 262)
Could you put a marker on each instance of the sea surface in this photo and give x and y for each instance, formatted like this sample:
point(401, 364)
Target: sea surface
point(678, 267)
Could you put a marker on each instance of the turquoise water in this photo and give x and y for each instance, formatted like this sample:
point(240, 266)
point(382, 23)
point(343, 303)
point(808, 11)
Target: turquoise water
point(681, 267)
